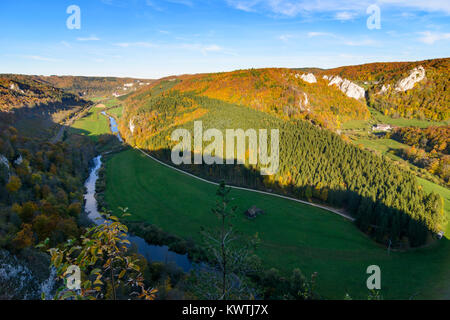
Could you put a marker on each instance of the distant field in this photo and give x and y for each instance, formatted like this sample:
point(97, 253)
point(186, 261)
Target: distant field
point(117, 112)
point(292, 234)
point(384, 146)
point(378, 117)
point(92, 125)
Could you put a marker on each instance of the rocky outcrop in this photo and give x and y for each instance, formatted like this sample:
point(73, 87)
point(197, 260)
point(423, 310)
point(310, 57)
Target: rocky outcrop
point(416, 75)
point(19, 280)
point(6, 169)
point(310, 78)
point(303, 104)
point(131, 126)
point(351, 89)
point(18, 161)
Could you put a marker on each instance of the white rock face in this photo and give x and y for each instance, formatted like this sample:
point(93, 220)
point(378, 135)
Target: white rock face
point(131, 126)
point(4, 161)
point(416, 75)
point(310, 78)
point(351, 89)
point(303, 104)
point(17, 281)
point(19, 160)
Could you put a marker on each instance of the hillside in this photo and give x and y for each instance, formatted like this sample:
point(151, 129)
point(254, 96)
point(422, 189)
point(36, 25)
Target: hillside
point(285, 93)
point(18, 91)
point(429, 148)
point(41, 183)
point(90, 87)
point(314, 164)
point(403, 89)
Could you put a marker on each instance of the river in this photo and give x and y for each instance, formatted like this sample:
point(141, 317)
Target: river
point(150, 252)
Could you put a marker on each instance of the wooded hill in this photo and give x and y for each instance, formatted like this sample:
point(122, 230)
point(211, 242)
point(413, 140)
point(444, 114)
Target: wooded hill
point(90, 87)
point(315, 164)
point(41, 183)
point(429, 99)
point(18, 91)
point(430, 148)
point(280, 92)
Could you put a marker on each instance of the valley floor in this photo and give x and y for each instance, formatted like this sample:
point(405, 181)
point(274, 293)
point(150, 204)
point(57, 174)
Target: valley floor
point(293, 235)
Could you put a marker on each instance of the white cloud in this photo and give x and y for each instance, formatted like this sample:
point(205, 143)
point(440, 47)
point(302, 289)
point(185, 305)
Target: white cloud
point(183, 2)
point(320, 34)
point(285, 37)
point(344, 15)
point(140, 44)
point(40, 58)
point(360, 43)
point(91, 38)
point(342, 8)
point(429, 37)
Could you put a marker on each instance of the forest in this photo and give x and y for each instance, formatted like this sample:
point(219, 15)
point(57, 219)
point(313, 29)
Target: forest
point(429, 148)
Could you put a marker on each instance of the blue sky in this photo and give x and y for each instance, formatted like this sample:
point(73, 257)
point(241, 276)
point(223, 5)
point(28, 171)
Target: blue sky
point(155, 38)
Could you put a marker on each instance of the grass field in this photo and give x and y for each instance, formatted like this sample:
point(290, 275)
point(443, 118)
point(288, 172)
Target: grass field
point(116, 112)
point(292, 235)
point(378, 117)
point(385, 147)
point(444, 193)
point(92, 125)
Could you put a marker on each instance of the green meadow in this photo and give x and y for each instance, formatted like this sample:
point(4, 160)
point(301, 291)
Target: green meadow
point(92, 124)
point(293, 235)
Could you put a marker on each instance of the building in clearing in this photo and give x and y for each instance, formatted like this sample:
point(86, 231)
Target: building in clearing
point(381, 127)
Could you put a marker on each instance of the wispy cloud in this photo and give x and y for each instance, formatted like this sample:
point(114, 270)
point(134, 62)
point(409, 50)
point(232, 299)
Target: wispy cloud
point(313, 34)
point(205, 49)
point(345, 15)
point(360, 43)
point(40, 58)
point(343, 8)
point(66, 44)
point(429, 37)
point(141, 44)
point(91, 38)
point(286, 37)
point(183, 2)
